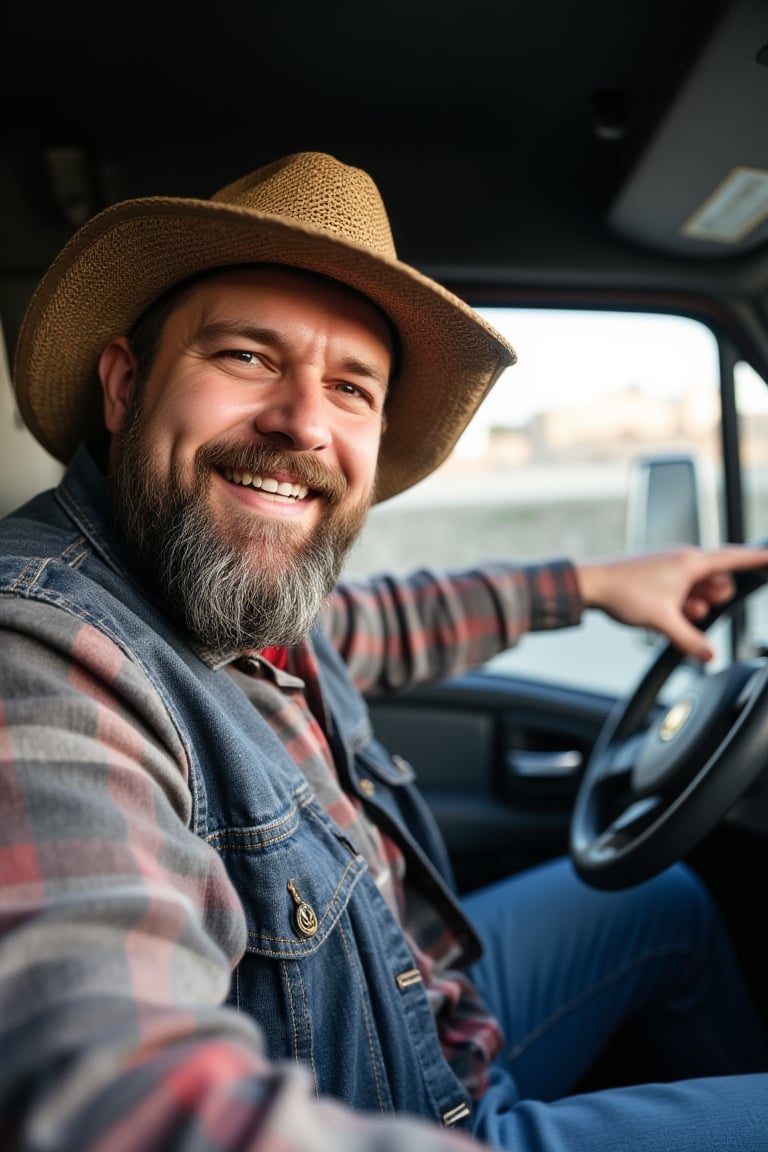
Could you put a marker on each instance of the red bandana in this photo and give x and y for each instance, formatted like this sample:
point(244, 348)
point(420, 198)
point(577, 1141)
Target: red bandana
point(277, 656)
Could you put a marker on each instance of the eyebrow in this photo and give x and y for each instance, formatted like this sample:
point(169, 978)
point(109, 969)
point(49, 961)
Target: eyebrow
point(215, 329)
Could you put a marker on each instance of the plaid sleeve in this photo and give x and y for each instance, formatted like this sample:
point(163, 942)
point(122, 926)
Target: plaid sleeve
point(393, 631)
point(119, 929)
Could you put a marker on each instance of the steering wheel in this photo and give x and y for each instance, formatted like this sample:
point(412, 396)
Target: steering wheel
point(661, 777)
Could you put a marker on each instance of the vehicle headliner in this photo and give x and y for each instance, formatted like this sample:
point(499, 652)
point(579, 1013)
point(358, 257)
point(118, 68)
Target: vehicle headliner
point(538, 148)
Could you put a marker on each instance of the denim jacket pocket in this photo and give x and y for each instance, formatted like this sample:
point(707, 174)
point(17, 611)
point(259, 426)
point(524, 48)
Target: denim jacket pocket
point(313, 957)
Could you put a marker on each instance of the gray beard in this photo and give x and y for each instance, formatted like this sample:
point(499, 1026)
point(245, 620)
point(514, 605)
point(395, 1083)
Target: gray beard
point(264, 585)
point(227, 601)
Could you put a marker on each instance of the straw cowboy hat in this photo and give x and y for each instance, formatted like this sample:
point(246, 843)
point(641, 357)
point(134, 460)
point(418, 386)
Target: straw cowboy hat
point(308, 211)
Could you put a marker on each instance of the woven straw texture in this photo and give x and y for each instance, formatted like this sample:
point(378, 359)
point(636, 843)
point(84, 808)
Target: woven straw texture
point(308, 211)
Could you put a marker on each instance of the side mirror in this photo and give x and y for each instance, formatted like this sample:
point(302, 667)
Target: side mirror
point(667, 504)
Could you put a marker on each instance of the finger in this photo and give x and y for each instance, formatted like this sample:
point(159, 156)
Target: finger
point(737, 559)
point(697, 607)
point(717, 589)
point(690, 640)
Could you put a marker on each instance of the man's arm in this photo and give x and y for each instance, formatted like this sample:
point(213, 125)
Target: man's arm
point(397, 631)
point(393, 632)
point(118, 930)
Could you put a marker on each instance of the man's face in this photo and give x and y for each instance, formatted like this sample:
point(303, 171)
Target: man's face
point(245, 462)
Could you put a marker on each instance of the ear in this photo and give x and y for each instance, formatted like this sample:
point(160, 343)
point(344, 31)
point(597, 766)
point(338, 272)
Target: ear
point(117, 373)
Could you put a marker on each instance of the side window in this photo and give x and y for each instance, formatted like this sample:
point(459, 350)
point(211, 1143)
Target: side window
point(25, 467)
point(549, 467)
point(752, 409)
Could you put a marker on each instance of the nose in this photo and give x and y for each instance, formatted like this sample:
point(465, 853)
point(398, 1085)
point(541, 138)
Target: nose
point(295, 411)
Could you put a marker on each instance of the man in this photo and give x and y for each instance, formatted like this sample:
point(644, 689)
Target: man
point(227, 920)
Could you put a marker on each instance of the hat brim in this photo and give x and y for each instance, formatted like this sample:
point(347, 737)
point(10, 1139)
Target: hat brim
point(130, 254)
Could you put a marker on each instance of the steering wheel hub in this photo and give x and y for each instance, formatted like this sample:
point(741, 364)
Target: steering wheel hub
point(676, 717)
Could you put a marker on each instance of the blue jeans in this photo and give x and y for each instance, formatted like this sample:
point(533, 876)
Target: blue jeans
point(565, 965)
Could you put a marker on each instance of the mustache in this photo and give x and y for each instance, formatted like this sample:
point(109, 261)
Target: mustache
point(264, 459)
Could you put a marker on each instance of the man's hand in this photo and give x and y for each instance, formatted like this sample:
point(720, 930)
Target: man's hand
point(668, 591)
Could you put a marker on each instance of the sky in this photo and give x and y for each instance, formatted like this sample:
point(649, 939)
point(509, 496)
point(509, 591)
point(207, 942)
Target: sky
point(567, 357)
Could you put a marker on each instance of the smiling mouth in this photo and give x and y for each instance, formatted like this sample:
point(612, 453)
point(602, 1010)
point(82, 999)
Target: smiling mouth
point(266, 484)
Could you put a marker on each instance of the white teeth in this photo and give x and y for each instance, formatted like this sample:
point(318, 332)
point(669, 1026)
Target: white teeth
point(267, 484)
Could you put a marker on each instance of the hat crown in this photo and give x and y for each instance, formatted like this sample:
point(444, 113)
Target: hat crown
point(315, 189)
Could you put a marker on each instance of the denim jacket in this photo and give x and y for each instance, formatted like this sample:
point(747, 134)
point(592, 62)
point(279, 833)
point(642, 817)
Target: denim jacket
point(326, 970)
